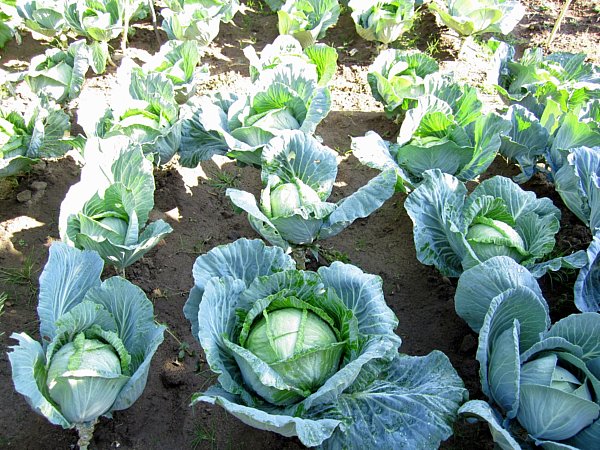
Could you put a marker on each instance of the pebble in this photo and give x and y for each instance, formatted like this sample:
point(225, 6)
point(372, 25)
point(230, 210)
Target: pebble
point(24, 196)
point(39, 185)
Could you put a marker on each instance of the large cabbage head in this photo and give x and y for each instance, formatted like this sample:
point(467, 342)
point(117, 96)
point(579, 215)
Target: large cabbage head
point(98, 339)
point(308, 354)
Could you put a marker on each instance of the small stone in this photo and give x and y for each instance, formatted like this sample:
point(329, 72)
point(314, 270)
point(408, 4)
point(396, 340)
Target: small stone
point(172, 374)
point(39, 185)
point(24, 196)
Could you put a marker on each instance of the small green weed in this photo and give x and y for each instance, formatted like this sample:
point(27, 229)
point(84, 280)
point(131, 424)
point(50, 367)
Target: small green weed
point(222, 180)
point(203, 433)
point(21, 276)
point(330, 255)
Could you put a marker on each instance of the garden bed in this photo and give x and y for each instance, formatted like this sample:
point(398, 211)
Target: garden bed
point(193, 202)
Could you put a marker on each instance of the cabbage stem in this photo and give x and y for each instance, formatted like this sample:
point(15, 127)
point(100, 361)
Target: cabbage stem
point(86, 432)
point(299, 255)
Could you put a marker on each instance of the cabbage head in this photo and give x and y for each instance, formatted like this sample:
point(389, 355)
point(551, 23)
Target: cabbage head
point(397, 78)
point(298, 175)
point(382, 20)
point(469, 17)
point(454, 231)
point(108, 209)
point(314, 354)
point(542, 381)
point(98, 339)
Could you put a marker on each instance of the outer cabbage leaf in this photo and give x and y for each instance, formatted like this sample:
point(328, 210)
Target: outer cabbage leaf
point(478, 286)
point(578, 183)
point(411, 401)
point(587, 285)
point(525, 142)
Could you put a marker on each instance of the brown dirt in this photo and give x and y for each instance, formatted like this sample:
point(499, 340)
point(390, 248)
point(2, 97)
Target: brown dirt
point(202, 217)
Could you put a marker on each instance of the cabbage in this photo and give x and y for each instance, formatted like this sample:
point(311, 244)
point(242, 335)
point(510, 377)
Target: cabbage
point(454, 231)
point(98, 341)
point(541, 381)
point(298, 175)
point(314, 354)
point(108, 209)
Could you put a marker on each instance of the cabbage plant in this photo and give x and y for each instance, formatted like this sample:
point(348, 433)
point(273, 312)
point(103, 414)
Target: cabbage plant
point(382, 20)
point(314, 354)
point(26, 139)
point(445, 130)
point(307, 20)
point(142, 107)
point(298, 175)
point(44, 18)
point(287, 97)
point(587, 285)
point(98, 338)
point(455, 232)
point(99, 21)
point(542, 381)
point(59, 74)
point(397, 78)
point(578, 183)
point(197, 20)
point(544, 144)
point(286, 50)
point(536, 78)
point(179, 61)
point(469, 17)
point(108, 209)
point(9, 22)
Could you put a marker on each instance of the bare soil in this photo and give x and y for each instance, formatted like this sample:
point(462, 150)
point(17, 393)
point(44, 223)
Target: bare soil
point(193, 202)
